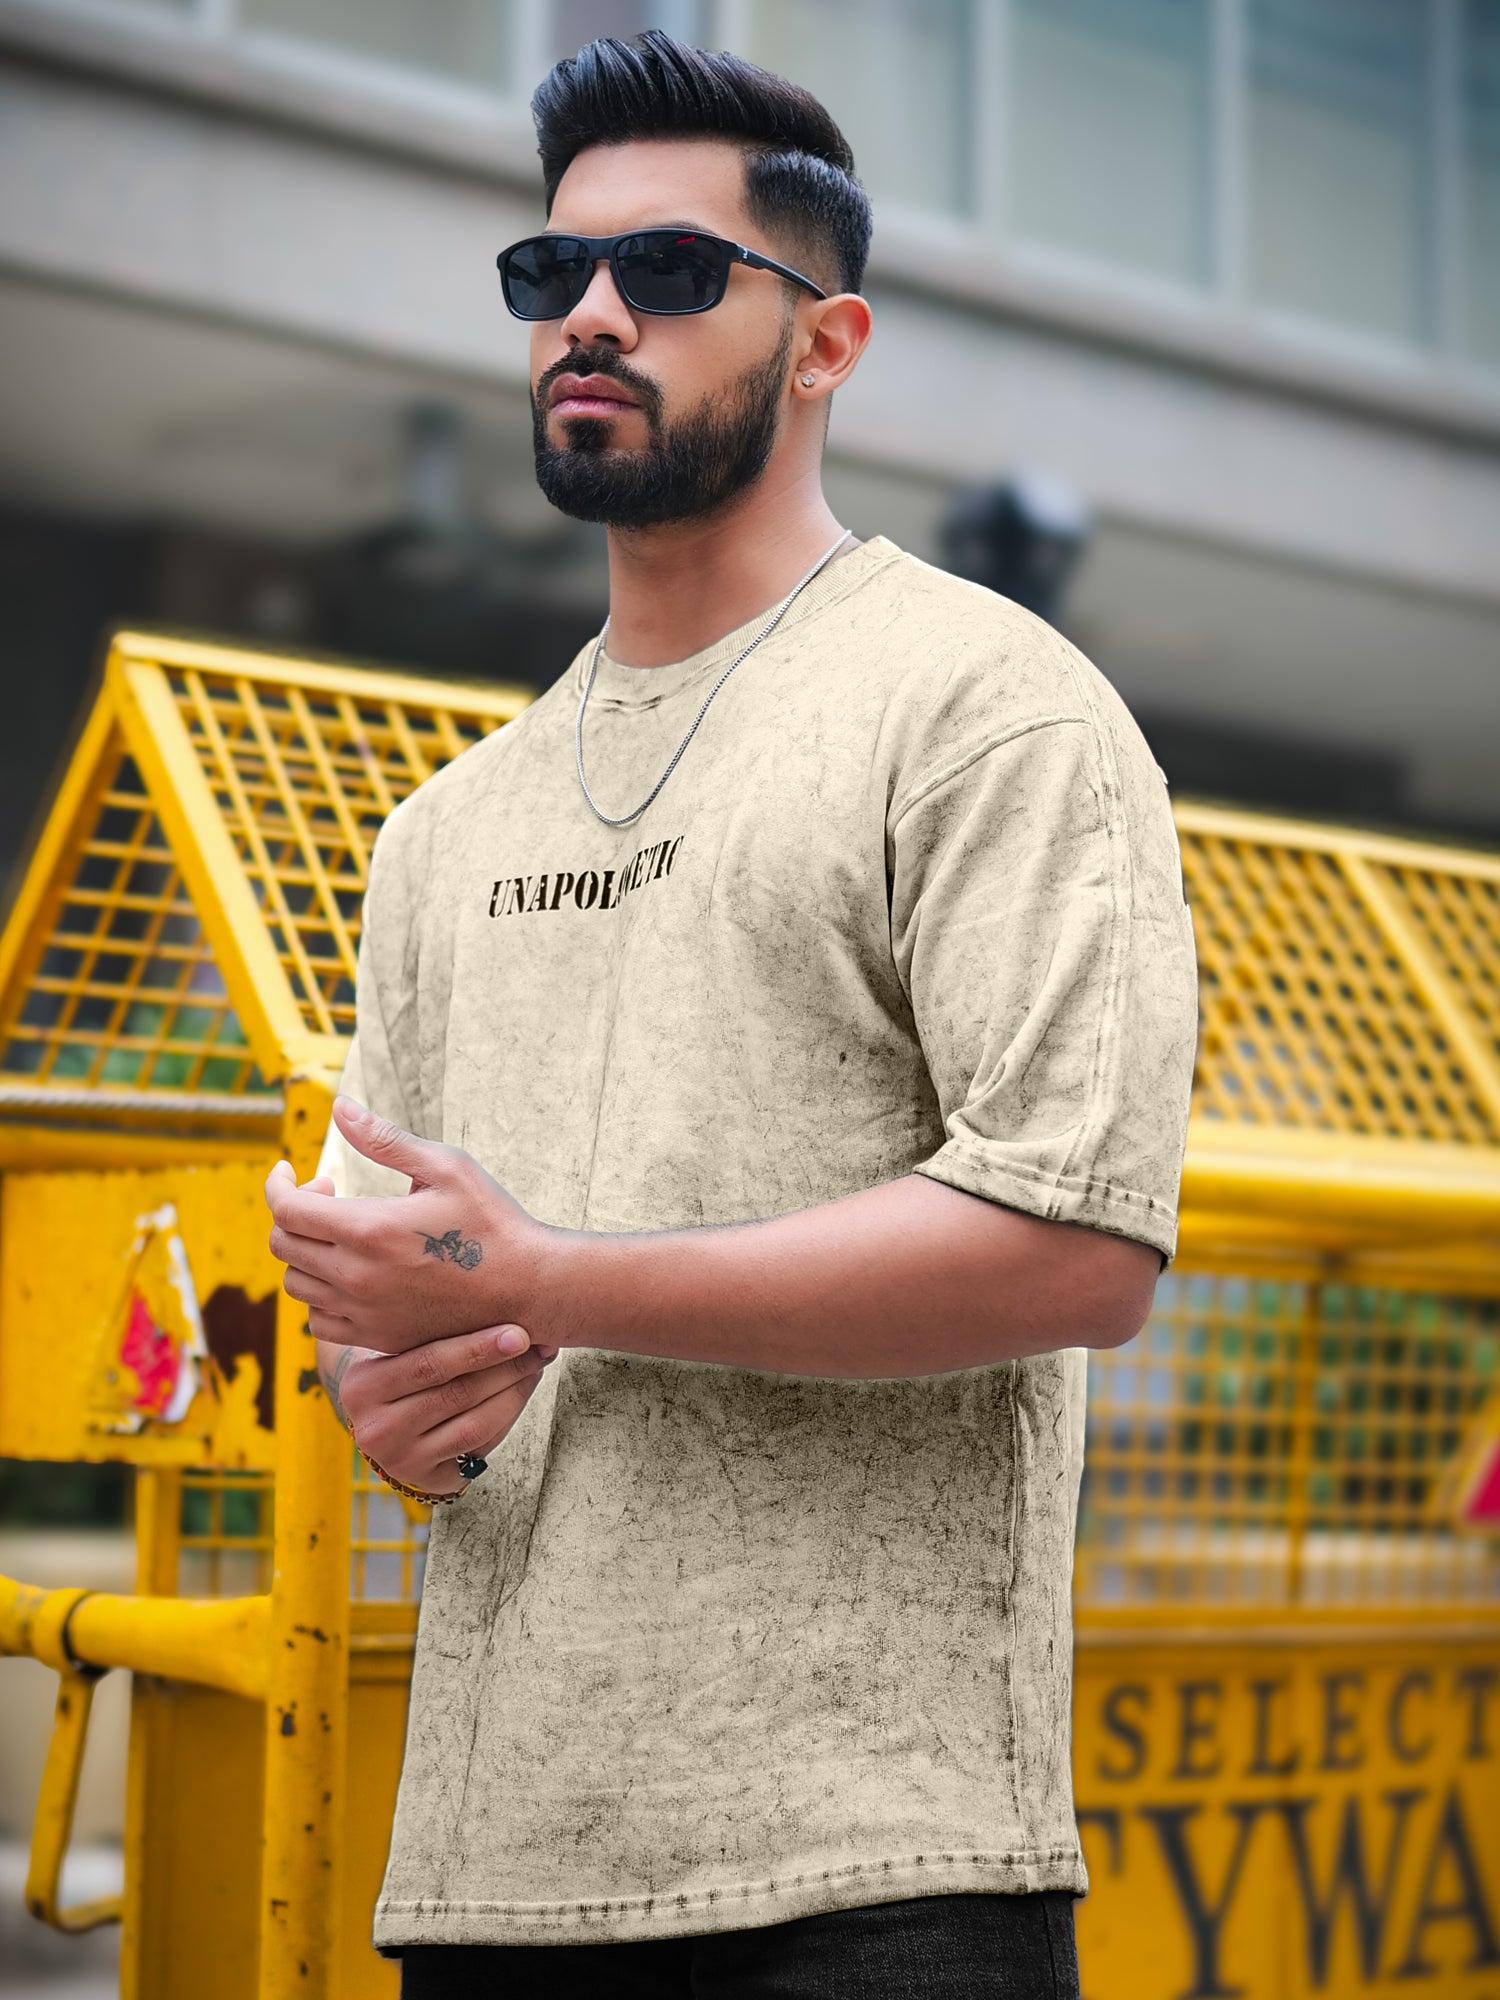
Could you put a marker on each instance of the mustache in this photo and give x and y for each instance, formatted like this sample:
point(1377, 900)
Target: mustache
point(601, 361)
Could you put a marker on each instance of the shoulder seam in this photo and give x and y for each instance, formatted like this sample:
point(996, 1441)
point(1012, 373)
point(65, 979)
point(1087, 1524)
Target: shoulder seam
point(996, 742)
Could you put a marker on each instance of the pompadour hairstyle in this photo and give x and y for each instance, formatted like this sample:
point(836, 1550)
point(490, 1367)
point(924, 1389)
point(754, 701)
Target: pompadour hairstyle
point(799, 171)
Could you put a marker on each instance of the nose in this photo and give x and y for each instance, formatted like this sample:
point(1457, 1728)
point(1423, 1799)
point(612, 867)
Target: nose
point(601, 316)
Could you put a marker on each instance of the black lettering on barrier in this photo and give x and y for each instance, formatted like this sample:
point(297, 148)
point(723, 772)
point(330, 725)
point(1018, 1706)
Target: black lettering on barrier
point(1262, 1764)
point(1395, 1718)
point(1109, 1818)
point(1340, 1723)
point(1205, 1919)
point(1119, 1725)
point(1196, 1728)
point(1480, 1682)
point(1349, 1877)
point(1452, 1840)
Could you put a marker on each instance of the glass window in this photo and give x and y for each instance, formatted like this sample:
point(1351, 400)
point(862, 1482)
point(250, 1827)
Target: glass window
point(894, 74)
point(463, 41)
point(1480, 139)
point(1337, 136)
point(1108, 118)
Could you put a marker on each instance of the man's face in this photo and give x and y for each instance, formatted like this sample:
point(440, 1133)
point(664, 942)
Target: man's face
point(640, 418)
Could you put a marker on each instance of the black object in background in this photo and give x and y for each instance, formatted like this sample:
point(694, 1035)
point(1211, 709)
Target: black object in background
point(1022, 537)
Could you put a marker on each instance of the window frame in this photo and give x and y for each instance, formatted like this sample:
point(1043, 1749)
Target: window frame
point(972, 258)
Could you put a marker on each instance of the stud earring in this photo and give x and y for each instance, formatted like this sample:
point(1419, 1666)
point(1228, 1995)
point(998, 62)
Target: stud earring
point(808, 380)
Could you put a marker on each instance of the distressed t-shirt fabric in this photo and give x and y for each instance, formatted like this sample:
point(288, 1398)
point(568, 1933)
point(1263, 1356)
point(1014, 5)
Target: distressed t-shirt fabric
point(710, 1647)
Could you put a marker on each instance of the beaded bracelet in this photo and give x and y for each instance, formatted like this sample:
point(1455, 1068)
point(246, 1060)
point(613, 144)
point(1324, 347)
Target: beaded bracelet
point(410, 1492)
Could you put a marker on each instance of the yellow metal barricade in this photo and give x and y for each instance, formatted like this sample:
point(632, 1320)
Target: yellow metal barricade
point(1287, 1678)
point(176, 986)
point(1288, 1591)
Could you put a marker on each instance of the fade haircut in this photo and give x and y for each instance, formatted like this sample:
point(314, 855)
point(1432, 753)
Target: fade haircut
point(799, 171)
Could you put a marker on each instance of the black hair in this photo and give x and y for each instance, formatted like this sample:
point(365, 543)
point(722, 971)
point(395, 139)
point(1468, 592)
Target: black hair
point(799, 171)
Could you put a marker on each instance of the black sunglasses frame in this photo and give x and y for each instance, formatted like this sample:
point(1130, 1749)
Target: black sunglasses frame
point(601, 247)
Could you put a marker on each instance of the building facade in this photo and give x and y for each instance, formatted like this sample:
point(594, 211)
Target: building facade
point(1228, 269)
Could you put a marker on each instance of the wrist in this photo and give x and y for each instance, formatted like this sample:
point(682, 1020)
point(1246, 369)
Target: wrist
point(547, 1298)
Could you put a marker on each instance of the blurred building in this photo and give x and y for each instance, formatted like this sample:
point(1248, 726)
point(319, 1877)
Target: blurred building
point(1228, 269)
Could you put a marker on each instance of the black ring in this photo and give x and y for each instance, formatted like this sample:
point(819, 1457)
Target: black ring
point(470, 1464)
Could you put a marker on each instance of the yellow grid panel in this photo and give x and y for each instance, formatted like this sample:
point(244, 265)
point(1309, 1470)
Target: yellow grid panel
point(1309, 1017)
point(225, 1542)
point(1458, 917)
point(1276, 1443)
point(303, 779)
point(122, 987)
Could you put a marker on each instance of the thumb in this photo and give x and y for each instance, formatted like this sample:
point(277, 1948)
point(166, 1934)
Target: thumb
point(386, 1144)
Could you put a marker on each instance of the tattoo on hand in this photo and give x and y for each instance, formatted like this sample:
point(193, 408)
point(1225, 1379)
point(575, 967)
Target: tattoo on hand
point(331, 1380)
point(463, 1251)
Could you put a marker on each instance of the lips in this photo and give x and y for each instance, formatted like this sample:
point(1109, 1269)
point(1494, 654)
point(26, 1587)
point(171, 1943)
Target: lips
point(589, 396)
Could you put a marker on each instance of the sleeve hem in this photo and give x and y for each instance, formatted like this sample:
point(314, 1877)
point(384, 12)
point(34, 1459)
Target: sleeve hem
point(1119, 1211)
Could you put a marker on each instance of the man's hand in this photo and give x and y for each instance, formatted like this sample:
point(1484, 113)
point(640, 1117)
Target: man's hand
point(414, 1413)
point(392, 1273)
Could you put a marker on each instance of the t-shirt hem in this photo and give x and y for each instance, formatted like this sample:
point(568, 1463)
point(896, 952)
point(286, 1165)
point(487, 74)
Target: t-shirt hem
point(738, 1906)
point(968, 1166)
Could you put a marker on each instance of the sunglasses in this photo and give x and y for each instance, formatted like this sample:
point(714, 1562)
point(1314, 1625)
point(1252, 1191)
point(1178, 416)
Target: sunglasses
point(655, 270)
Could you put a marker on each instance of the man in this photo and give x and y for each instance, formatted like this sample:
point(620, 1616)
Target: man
point(795, 1041)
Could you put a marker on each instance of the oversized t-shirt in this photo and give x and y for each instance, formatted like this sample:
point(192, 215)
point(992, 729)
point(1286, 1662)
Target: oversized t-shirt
point(712, 1647)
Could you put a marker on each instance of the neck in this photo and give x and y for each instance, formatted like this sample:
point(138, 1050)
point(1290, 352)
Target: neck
point(676, 588)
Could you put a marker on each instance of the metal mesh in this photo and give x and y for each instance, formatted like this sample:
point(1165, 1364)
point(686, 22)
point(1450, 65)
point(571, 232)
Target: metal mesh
point(224, 1534)
point(1309, 1016)
point(121, 986)
point(224, 1545)
point(303, 780)
point(1280, 1443)
point(1458, 916)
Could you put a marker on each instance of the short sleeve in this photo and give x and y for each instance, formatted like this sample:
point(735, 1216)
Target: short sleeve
point(378, 1071)
point(1042, 936)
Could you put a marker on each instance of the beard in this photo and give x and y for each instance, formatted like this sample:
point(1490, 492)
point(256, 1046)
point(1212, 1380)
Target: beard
point(688, 468)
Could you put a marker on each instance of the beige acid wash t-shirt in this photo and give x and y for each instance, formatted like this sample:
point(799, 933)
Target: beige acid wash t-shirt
point(710, 1647)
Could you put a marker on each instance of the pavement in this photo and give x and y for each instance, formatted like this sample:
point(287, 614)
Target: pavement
point(37, 1963)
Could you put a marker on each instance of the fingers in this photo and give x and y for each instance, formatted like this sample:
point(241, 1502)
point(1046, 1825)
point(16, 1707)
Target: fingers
point(306, 1211)
point(338, 1330)
point(303, 1253)
point(481, 1429)
point(404, 1424)
point(310, 1290)
point(439, 1361)
point(386, 1144)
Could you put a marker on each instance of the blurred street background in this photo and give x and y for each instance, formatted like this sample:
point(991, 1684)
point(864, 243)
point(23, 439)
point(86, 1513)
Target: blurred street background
point(1187, 332)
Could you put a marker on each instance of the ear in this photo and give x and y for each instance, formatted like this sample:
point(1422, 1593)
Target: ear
point(831, 338)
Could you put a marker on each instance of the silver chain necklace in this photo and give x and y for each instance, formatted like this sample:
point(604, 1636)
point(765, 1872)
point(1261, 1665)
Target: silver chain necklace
point(765, 632)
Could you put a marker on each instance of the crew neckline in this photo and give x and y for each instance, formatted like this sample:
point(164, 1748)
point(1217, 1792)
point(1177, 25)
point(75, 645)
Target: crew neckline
point(621, 686)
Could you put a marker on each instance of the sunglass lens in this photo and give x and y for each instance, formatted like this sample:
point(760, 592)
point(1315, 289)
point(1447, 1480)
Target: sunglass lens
point(545, 277)
point(669, 271)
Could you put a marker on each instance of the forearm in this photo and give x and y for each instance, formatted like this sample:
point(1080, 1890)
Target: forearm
point(910, 1278)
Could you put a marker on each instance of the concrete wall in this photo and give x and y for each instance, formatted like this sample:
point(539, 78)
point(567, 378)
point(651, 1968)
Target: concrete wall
point(226, 285)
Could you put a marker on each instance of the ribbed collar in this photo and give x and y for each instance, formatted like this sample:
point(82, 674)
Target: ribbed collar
point(645, 687)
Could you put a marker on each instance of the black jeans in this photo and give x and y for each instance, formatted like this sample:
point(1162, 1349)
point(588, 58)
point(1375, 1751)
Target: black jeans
point(932, 1948)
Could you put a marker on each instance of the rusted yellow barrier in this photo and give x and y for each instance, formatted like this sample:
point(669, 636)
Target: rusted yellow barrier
point(1288, 1585)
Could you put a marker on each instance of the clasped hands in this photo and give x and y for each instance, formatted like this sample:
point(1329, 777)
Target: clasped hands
point(413, 1289)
